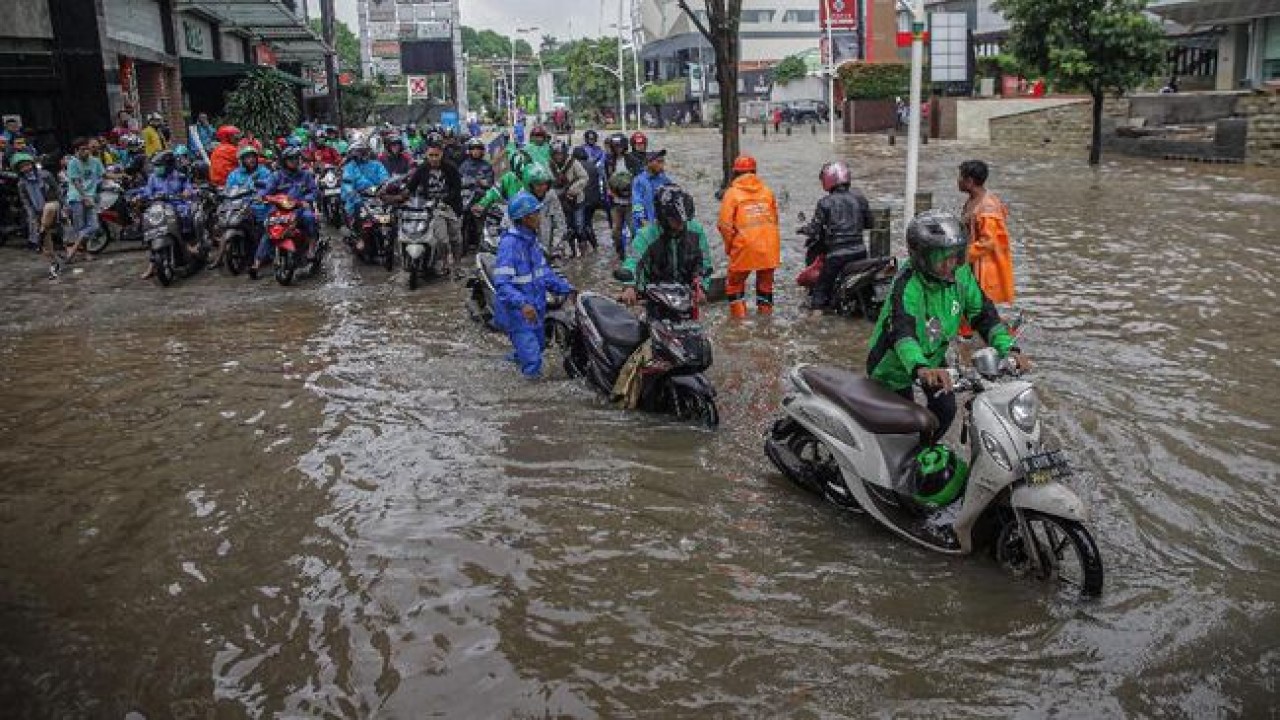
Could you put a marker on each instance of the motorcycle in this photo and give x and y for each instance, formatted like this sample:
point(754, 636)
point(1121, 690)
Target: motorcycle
point(601, 334)
point(376, 224)
point(330, 200)
point(491, 229)
point(483, 293)
point(13, 218)
point(169, 247)
point(237, 228)
point(420, 253)
point(863, 285)
point(116, 219)
point(287, 238)
point(865, 448)
point(472, 226)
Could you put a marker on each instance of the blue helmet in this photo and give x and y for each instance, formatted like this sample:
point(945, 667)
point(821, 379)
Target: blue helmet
point(523, 205)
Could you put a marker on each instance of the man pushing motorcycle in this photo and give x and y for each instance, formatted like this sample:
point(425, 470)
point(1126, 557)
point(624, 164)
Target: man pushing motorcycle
point(932, 294)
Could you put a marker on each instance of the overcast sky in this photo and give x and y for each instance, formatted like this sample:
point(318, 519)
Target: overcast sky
point(551, 16)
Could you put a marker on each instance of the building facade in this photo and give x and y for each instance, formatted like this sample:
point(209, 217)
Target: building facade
point(69, 67)
point(1245, 35)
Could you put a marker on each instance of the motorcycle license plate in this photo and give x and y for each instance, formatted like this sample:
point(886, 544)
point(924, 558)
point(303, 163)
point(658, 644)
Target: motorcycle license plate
point(1045, 467)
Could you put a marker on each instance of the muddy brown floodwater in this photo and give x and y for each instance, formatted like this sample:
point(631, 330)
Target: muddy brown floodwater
point(229, 499)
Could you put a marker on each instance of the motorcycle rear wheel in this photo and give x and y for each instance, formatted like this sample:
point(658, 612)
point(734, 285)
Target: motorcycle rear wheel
point(388, 259)
point(237, 259)
point(1079, 570)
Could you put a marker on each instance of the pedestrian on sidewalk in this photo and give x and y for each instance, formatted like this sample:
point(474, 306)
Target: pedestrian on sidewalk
point(986, 218)
point(84, 175)
point(749, 225)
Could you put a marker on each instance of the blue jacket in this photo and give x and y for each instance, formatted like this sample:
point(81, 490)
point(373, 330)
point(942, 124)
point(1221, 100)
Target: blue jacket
point(521, 276)
point(175, 183)
point(643, 190)
point(240, 178)
point(595, 154)
point(299, 185)
point(360, 175)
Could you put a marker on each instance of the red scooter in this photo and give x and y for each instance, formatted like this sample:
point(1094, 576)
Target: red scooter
point(290, 244)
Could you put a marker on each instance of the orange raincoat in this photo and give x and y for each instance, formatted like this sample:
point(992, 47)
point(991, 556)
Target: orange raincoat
point(989, 252)
point(749, 225)
point(221, 162)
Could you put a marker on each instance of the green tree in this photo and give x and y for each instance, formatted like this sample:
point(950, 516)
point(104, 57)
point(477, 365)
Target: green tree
point(874, 81)
point(791, 68)
point(489, 45)
point(1100, 45)
point(264, 104)
point(358, 102)
point(348, 45)
point(592, 87)
point(479, 87)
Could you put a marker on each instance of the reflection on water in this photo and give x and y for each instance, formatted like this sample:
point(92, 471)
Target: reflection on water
point(351, 507)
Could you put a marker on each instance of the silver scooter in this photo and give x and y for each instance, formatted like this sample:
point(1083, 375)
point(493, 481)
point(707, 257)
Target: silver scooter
point(866, 448)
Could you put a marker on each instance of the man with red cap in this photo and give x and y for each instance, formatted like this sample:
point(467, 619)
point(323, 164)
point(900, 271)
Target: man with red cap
point(749, 225)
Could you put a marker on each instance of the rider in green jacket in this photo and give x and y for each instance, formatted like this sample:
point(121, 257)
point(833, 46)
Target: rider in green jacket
point(932, 295)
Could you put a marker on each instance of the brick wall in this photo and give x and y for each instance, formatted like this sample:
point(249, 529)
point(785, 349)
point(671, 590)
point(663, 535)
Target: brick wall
point(1263, 114)
point(1061, 129)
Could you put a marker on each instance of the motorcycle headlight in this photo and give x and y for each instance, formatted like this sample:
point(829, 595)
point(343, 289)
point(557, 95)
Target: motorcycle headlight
point(155, 214)
point(1024, 409)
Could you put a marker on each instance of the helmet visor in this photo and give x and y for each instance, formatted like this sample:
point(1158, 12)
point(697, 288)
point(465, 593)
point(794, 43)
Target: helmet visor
point(943, 262)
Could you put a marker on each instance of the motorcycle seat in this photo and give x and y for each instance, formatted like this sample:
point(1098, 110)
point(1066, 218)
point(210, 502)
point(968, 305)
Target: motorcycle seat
point(874, 407)
point(617, 325)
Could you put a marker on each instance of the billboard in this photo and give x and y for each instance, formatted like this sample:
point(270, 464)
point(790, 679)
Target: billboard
point(948, 47)
point(424, 57)
point(839, 14)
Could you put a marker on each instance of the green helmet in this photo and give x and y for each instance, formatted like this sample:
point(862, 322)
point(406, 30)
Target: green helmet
point(246, 150)
point(941, 477)
point(341, 146)
point(535, 173)
point(19, 158)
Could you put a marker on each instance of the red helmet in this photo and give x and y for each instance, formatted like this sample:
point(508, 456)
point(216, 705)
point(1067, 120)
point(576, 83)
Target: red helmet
point(833, 175)
point(538, 130)
point(639, 140)
point(744, 164)
point(228, 133)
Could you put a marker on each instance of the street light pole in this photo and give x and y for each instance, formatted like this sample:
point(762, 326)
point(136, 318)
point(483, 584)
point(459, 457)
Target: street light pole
point(511, 95)
point(913, 125)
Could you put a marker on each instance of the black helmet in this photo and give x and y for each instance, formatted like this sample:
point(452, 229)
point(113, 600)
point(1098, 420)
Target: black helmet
point(619, 140)
point(591, 136)
point(291, 153)
point(673, 203)
point(164, 157)
point(474, 143)
point(933, 238)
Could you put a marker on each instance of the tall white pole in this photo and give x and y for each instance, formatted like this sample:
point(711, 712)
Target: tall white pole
point(913, 125)
point(622, 76)
point(511, 90)
point(831, 81)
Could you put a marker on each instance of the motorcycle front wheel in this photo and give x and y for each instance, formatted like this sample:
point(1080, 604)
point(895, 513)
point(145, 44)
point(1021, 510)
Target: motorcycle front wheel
point(99, 241)
point(1067, 553)
point(165, 271)
point(237, 256)
point(388, 257)
point(284, 267)
point(691, 407)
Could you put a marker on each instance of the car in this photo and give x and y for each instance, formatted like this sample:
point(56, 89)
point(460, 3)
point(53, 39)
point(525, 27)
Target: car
point(802, 111)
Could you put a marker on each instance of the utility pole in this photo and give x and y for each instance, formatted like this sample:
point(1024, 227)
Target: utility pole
point(331, 63)
point(621, 74)
point(913, 125)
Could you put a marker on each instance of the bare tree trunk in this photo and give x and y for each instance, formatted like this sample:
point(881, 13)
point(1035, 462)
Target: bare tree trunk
point(723, 17)
point(1095, 150)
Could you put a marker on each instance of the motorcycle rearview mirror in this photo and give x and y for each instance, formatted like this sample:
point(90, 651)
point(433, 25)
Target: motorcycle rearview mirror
point(987, 362)
point(623, 275)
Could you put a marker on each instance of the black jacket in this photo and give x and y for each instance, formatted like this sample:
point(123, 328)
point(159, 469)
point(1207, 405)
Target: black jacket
point(841, 218)
point(593, 195)
point(636, 162)
point(450, 193)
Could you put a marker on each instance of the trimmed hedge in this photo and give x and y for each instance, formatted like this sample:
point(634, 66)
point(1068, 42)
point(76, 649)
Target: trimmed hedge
point(875, 81)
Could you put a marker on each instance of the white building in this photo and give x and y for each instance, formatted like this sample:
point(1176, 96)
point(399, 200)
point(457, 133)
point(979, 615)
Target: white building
point(769, 30)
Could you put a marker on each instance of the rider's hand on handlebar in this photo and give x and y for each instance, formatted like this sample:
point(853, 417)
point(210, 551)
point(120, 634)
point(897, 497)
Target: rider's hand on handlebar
point(1021, 362)
point(934, 379)
point(628, 296)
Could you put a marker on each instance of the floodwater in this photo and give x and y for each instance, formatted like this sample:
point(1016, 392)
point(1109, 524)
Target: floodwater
point(229, 499)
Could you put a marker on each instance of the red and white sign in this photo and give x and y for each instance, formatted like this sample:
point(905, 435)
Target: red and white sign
point(839, 14)
point(417, 85)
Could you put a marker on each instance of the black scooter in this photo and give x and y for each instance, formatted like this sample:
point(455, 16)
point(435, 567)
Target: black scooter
point(601, 334)
point(863, 285)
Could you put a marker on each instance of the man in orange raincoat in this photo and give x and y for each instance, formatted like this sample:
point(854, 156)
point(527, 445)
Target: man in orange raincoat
point(987, 221)
point(749, 225)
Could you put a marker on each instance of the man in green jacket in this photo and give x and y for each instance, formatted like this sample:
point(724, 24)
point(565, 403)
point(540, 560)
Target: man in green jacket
point(932, 295)
point(672, 250)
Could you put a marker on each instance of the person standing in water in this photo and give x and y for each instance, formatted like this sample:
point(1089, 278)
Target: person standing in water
point(986, 219)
